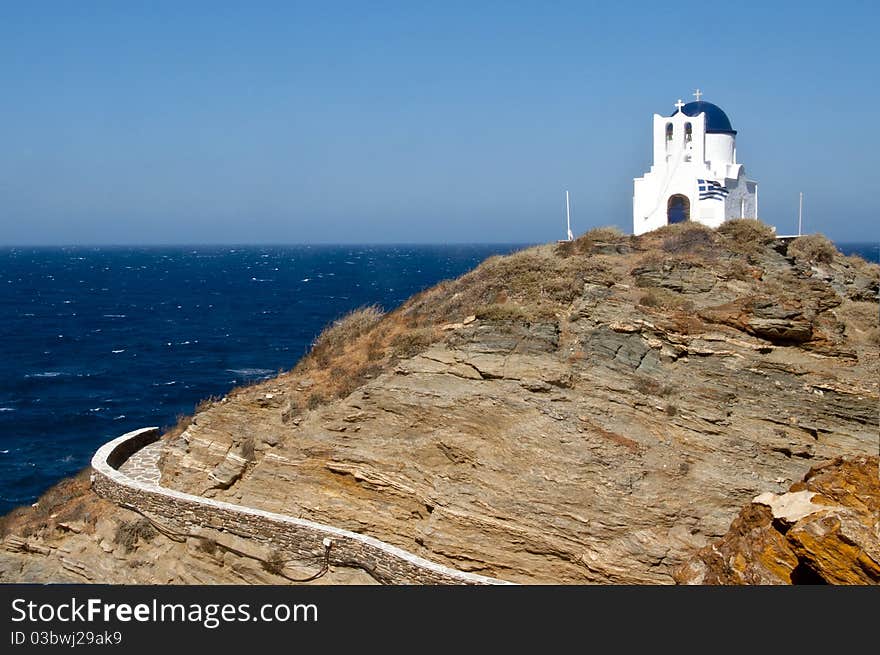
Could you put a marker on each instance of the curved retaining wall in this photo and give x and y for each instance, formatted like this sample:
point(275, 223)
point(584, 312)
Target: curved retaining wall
point(293, 536)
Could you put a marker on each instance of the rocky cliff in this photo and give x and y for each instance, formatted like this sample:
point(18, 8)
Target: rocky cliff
point(593, 411)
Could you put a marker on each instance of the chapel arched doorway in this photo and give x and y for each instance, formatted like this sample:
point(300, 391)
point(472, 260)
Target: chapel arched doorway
point(678, 209)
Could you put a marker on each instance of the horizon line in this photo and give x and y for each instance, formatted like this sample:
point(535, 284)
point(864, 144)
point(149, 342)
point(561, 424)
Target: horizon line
point(258, 244)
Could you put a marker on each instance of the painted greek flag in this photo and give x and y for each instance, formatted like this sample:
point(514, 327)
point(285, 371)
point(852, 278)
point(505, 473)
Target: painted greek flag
point(712, 190)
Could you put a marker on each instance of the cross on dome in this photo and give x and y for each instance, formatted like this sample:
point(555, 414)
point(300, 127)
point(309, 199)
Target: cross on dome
point(698, 94)
point(679, 104)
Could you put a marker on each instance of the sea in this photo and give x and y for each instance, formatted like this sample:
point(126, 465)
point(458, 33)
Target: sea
point(98, 341)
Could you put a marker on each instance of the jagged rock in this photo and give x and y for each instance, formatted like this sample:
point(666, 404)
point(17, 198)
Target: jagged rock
point(781, 330)
point(791, 507)
point(228, 471)
point(825, 530)
point(681, 277)
point(764, 318)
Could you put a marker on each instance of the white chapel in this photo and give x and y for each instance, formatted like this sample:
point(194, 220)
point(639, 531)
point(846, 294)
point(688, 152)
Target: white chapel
point(695, 175)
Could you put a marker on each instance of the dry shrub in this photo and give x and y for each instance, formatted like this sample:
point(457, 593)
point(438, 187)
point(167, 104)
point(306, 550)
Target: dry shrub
point(62, 493)
point(649, 259)
point(566, 249)
point(661, 298)
point(746, 236)
point(351, 380)
point(502, 312)
point(412, 342)
point(75, 510)
point(688, 238)
point(863, 266)
point(206, 403)
point(375, 348)
point(812, 249)
point(274, 563)
point(606, 234)
point(344, 331)
point(737, 269)
point(128, 533)
point(586, 243)
point(10, 520)
point(183, 422)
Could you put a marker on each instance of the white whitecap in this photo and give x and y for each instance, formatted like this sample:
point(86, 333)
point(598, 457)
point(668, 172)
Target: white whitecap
point(116, 352)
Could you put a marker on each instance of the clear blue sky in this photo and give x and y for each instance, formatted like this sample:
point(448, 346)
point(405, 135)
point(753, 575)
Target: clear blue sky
point(287, 122)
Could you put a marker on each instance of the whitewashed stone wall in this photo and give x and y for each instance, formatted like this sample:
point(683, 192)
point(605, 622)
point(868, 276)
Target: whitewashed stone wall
point(297, 538)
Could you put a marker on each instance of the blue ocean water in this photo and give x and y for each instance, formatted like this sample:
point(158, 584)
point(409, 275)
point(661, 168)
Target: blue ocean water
point(867, 251)
point(95, 342)
point(98, 341)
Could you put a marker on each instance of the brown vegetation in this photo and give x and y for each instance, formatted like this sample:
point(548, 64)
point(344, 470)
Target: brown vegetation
point(663, 299)
point(408, 344)
point(274, 563)
point(129, 533)
point(745, 236)
point(689, 238)
point(588, 242)
point(812, 249)
point(344, 331)
point(68, 500)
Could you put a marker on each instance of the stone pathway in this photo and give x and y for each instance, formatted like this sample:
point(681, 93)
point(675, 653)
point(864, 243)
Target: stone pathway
point(143, 466)
point(140, 477)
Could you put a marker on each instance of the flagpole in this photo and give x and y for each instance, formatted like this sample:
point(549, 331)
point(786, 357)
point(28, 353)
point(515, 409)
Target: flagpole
point(800, 213)
point(568, 218)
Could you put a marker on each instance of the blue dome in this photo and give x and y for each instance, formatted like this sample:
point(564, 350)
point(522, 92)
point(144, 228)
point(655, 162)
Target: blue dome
point(717, 121)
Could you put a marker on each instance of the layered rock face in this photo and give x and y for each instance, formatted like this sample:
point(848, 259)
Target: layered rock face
point(593, 412)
